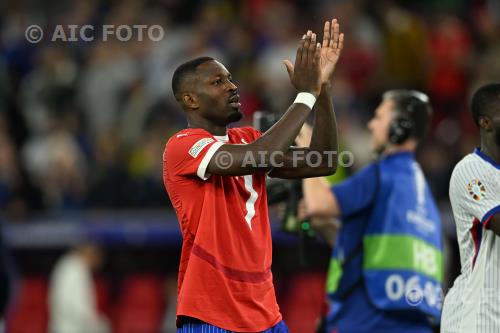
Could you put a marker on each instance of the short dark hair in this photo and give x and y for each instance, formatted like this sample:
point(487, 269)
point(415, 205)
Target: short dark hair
point(183, 71)
point(414, 106)
point(484, 99)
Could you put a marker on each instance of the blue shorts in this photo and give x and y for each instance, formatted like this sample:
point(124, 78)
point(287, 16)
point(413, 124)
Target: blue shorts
point(196, 326)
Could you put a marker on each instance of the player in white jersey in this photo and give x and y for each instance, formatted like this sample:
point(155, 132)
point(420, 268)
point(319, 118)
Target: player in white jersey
point(473, 303)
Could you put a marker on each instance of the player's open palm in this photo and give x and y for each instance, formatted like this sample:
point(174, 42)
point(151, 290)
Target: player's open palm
point(333, 42)
point(305, 74)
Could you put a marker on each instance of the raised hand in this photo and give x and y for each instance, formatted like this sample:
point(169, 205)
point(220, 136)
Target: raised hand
point(305, 74)
point(333, 42)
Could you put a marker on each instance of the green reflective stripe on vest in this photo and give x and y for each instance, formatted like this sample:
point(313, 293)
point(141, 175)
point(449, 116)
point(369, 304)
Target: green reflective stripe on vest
point(334, 275)
point(402, 252)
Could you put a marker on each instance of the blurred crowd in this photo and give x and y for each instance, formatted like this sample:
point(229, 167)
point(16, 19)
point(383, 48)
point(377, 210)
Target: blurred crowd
point(83, 124)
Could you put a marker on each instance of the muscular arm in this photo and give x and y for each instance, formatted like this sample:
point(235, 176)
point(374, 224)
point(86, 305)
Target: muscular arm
point(323, 144)
point(324, 136)
point(272, 146)
point(275, 142)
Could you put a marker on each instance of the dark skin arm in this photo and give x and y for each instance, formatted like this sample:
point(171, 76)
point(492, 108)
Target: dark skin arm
point(275, 142)
point(324, 135)
point(324, 139)
point(310, 61)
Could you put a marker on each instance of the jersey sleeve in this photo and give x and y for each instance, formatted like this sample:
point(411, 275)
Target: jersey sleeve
point(189, 155)
point(474, 190)
point(357, 192)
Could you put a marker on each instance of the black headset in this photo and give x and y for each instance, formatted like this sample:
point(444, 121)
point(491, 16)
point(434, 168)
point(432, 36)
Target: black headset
point(400, 129)
point(402, 126)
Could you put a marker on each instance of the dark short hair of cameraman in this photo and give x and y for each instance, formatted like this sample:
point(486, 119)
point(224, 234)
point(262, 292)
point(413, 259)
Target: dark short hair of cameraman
point(385, 272)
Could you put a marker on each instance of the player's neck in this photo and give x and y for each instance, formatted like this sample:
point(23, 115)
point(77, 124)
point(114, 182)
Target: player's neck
point(207, 126)
point(491, 150)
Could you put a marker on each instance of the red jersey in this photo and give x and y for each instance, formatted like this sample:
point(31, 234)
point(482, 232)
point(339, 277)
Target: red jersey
point(225, 274)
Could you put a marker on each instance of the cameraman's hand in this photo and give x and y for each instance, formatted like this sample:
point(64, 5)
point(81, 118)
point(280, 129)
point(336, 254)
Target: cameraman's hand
point(302, 210)
point(305, 75)
point(304, 137)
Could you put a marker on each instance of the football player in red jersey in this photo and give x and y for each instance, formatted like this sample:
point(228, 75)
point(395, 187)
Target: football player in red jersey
point(218, 191)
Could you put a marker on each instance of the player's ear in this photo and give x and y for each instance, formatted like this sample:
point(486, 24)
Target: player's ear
point(485, 123)
point(190, 101)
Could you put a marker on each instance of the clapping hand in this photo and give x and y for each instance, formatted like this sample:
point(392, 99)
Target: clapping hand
point(333, 42)
point(305, 74)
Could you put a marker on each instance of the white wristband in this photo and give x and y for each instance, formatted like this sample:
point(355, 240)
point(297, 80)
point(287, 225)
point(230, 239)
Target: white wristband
point(305, 98)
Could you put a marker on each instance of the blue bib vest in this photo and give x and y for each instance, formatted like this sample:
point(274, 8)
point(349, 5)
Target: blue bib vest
point(400, 260)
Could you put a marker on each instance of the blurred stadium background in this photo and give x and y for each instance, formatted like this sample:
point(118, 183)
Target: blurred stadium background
point(83, 127)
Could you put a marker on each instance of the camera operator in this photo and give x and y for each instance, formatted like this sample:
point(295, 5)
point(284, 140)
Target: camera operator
point(386, 268)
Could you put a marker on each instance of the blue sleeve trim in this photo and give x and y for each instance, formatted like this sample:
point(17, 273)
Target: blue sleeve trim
point(486, 158)
point(490, 213)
